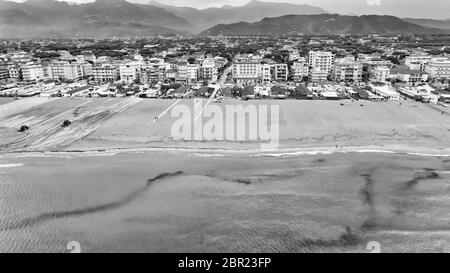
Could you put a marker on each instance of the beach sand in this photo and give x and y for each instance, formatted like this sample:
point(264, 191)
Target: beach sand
point(104, 124)
point(6, 100)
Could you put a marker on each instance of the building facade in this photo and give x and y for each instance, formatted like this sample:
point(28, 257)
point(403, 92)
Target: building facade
point(279, 72)
point(382, 73)
point(321, 60)
point(247, 70)
point(192, 73)
point(105, 73)
point(4, 72)
point(129, 72)
point(32, 72)
point(348, 71)
point(318, 75)
point(65, 71)
point(417, 61)
point(299, 70)
point(438, 69)
point(209, 70)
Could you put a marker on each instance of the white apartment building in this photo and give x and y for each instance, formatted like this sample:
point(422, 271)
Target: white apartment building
point(192, 73)
point(382, 73)
point(152, 74)
point(299, 70)
point(279, 72)
point(32, 72)
point(61, 70)
point(4, 72)
point(129, 72)
point(153, 71)
point(438, 68)
point(346, 70)
point(209, 70)
point(87, 69)
point(14, 71)
point(247, 70)
point(251, 70)
point(182, 71)
point(321, 60)
point(105, 73)
point(318, 75)
point(417, 61)
point(265, 73)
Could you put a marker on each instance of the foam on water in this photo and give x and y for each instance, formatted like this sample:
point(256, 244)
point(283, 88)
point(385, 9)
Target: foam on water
point(197, 152)
point(7, 166)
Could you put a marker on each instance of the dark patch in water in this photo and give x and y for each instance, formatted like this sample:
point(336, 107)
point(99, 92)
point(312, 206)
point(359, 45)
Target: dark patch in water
point(242, 181)
point(367, 192)
point(368, 198)
point(348, 238)
point(401, 198)
point(401, 202)
point(258, 178)
point(427, 174)
point(90, 210)
point(237, 180)
point(163, 176)
point(320, 160)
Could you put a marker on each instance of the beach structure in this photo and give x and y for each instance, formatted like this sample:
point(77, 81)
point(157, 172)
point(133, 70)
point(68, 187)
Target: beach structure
point(385, 91)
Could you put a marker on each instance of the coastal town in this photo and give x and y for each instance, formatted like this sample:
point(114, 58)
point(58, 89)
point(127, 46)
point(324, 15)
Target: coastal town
point(372, 67)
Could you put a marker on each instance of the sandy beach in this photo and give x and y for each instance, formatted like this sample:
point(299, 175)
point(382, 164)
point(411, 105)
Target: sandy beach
point(123, 124)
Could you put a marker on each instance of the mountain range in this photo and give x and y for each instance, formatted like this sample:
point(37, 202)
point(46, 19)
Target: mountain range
point(443, 24)
point(251, 12)
point(119, 18)
point(326, 24)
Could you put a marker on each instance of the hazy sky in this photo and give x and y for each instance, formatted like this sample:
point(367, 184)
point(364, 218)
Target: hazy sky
point(402, 8)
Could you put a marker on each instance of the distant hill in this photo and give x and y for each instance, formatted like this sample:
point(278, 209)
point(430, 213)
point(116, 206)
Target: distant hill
point(102, 18)
point(443, 24)
point(119, 18)
point(252, 12)
point(322, 24)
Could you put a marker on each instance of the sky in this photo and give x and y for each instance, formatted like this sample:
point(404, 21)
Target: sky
point(438, 9)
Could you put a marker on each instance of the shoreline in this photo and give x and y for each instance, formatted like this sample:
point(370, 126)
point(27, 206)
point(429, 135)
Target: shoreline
point(223, 152)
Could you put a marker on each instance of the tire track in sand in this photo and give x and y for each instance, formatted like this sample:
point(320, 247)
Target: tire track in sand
point(47, 134)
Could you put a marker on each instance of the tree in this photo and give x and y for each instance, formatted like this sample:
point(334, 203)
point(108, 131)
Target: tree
point(146, 52)
point(365, 74)
point(393, 60)
point(191, 60)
